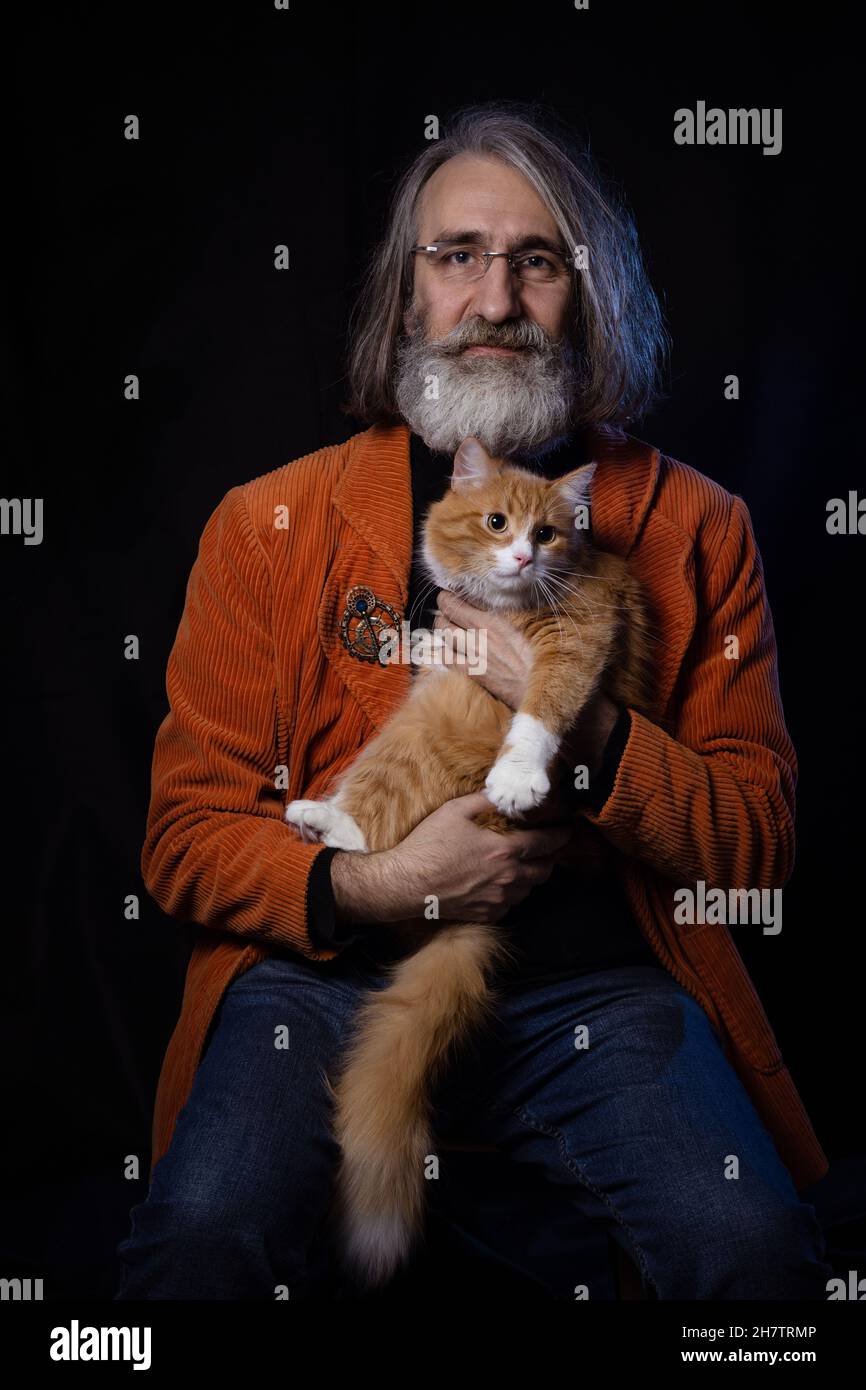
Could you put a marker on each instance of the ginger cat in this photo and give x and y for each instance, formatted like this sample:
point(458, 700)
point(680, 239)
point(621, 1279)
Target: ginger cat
point(583, 615)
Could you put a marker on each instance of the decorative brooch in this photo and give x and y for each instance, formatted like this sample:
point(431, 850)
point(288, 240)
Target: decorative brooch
point(365, 619)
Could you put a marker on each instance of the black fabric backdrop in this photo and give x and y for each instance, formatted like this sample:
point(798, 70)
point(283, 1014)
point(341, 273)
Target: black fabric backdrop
point(155, 257)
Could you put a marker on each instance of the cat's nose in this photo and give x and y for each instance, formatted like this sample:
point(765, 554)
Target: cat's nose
point(522, 560)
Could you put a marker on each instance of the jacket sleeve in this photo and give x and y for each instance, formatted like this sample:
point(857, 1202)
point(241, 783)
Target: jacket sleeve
point(217, 850)
point(715, 801)
point(322, 922)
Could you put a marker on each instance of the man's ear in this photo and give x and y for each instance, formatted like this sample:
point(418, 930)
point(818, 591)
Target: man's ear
point(472, 465)
point(575, 486)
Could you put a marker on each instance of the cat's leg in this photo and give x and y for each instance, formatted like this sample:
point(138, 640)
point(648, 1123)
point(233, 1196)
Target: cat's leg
point(437, 746)
point(325, 822)
point(560, 685)
point(519, 780)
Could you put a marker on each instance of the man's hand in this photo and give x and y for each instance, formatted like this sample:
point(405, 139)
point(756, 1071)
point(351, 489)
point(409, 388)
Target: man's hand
point(477, 874)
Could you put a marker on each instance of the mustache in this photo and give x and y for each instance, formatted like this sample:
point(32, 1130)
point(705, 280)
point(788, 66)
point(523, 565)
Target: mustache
point(520, 334)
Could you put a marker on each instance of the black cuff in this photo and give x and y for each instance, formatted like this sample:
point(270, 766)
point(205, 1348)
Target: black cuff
point(601, 785)
point(323, 929)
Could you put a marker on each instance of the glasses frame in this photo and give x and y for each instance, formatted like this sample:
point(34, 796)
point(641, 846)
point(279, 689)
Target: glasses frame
point(488, 256)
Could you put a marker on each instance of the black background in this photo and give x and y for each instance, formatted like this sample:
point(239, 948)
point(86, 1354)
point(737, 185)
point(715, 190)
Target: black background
point(155, 257)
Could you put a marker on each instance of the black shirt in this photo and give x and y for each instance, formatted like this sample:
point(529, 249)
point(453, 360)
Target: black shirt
point(582, 922)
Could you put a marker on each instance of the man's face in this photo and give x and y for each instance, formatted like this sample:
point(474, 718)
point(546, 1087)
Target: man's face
point(491, 357)
point(484, 195)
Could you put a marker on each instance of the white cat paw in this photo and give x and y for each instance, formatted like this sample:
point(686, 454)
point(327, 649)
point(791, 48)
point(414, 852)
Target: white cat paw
point(514, 786)
point(518, 780)
point(321, 822)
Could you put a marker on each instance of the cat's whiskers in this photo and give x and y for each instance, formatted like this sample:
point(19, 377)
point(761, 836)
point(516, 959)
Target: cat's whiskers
point(551, 602)
point(594, 606)
point(421, 600)
point(574, 594)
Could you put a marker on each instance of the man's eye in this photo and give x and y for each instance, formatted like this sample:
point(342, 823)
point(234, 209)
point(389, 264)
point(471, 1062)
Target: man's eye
point(545, 534)
point(461, 256)
point(497, 522)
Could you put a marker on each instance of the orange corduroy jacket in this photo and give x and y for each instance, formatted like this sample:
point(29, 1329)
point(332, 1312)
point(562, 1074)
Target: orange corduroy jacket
point(266, 705)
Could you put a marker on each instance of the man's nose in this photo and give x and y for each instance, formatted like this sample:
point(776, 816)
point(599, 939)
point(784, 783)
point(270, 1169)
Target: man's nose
point(497, 293)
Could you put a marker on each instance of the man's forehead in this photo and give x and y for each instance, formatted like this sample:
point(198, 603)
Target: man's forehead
point(484, 194)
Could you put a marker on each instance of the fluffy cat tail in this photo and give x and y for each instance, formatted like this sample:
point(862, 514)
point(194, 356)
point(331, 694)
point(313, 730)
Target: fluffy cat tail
point(403, 1035)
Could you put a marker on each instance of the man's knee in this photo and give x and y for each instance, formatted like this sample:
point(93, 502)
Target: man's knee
point(218, 1246)
point(742, 1244)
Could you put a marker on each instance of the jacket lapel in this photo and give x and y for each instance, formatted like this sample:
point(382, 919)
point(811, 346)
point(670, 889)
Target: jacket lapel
point(627, 477)
point(374, 499)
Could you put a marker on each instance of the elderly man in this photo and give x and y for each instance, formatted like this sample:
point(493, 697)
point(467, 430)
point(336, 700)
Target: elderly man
point(507, 301)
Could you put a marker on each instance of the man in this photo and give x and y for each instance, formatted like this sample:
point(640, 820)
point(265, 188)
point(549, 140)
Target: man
point(507, 301)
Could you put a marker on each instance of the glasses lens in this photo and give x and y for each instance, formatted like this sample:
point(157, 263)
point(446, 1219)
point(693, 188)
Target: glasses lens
point(458, 262)
point(537, 266)
point(453, 262)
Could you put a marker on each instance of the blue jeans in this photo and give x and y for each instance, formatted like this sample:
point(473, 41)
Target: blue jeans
point(637, 1128)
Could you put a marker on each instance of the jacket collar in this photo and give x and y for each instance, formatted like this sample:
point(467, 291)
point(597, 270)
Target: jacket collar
point(374, 497)
point(377, 476)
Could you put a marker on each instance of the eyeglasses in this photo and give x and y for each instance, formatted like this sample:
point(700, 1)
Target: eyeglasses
point(451, 260)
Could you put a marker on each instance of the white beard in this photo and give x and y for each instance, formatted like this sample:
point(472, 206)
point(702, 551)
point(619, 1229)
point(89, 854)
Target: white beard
point(514, 406)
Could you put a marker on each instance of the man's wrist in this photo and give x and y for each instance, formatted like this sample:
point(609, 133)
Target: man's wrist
point(363, 888)
point(325, 932)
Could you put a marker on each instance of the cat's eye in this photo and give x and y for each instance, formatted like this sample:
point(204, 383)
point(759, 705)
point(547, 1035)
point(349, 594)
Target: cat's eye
point(545, 534)
point(497, 521)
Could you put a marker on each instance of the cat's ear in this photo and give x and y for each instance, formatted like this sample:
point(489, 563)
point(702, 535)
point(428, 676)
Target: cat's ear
point(574, 486)
point(472, 465)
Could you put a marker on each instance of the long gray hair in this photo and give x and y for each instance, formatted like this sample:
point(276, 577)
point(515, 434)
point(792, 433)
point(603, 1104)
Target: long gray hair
point(618, 330)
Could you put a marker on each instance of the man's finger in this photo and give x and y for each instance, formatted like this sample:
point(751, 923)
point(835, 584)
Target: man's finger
point(535, 843)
